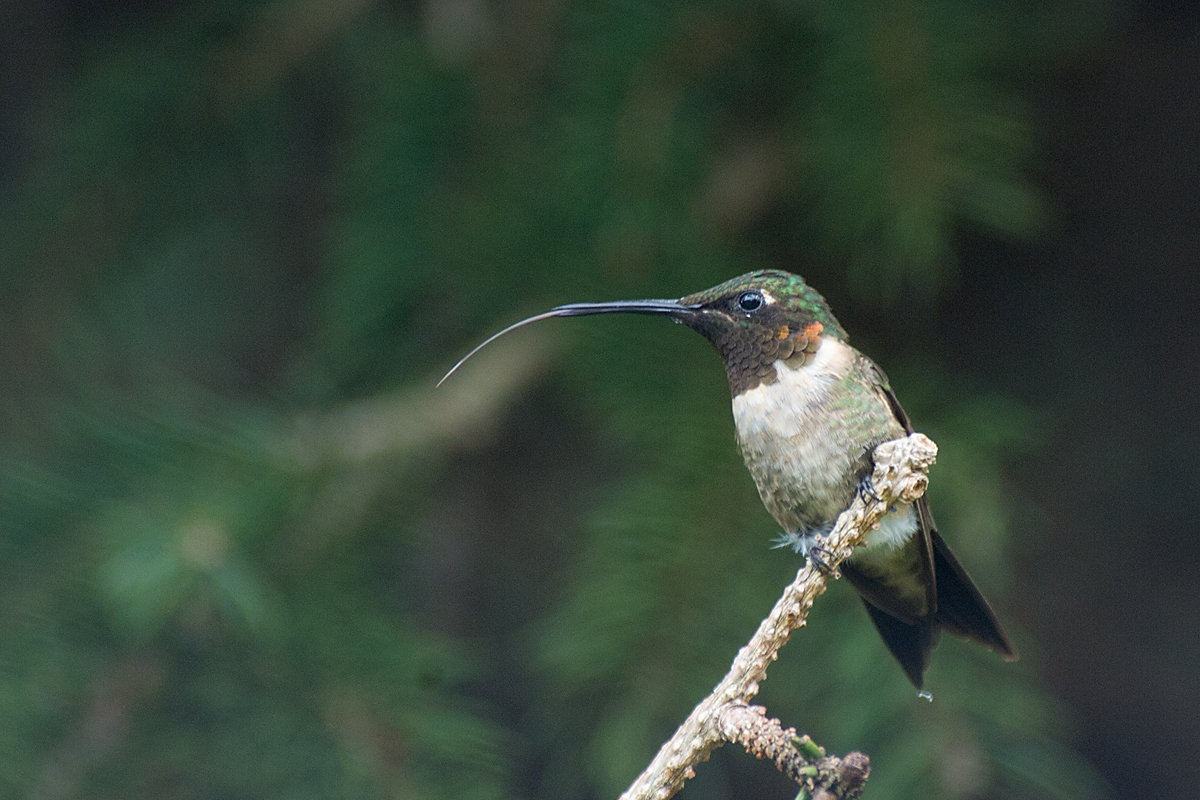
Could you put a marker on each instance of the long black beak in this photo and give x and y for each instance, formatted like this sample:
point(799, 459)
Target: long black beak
point(669, 307)
point(664, 307)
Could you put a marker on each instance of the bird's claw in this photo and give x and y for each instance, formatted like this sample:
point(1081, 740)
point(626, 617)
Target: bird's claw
point(867, 487)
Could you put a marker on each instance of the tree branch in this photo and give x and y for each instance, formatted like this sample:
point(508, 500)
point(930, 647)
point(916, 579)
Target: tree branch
point(726, 715)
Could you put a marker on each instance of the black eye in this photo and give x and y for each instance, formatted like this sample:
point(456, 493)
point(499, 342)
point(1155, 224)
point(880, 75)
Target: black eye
point(750, 301)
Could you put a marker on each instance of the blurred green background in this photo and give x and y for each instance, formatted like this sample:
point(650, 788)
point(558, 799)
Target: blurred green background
point(248, 551)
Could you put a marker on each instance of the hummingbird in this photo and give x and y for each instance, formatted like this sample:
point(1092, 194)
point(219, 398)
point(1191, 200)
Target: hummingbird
point(809, 410)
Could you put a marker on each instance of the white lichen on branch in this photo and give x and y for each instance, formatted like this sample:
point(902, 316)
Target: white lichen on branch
point(726, 714)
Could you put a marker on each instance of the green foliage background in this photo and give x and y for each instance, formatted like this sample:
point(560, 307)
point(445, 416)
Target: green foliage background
point(246, 550)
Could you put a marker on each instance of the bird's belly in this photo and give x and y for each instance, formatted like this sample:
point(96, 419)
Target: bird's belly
point(805, 468)
point(805, 480)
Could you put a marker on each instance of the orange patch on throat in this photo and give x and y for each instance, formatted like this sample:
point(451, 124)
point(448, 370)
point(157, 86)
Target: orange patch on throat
point(783, 332)
point(811, 332)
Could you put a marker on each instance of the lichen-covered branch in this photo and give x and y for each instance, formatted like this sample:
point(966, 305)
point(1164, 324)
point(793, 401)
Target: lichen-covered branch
point(727, 716)
point(798, 757)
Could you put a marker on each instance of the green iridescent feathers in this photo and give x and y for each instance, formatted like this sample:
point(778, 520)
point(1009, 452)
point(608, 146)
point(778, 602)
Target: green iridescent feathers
point(788, 289)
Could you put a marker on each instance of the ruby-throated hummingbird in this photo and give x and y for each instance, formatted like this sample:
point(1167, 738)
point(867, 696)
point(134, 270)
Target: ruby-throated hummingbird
point(809, 410)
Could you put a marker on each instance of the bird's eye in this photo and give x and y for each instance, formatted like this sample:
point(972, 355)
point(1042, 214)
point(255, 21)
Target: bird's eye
point(750, 301)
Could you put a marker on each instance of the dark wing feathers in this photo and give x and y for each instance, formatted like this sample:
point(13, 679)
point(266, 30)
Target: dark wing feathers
point(954, 602)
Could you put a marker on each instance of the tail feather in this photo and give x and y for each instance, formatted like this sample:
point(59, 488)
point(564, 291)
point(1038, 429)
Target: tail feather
point(961, 609)
point(911, 644)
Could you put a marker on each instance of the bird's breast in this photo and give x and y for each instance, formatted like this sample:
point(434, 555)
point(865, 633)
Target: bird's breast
point(805, 436)
point(787, 405)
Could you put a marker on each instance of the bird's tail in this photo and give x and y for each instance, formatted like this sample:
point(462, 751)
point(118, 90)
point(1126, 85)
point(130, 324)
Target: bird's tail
point(959, 609)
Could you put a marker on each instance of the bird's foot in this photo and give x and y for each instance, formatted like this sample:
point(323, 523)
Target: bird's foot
point(866, 487)
point(819, 557)
point(808, 544)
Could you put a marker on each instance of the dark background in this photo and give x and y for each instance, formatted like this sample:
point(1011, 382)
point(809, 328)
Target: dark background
point(247, 550)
